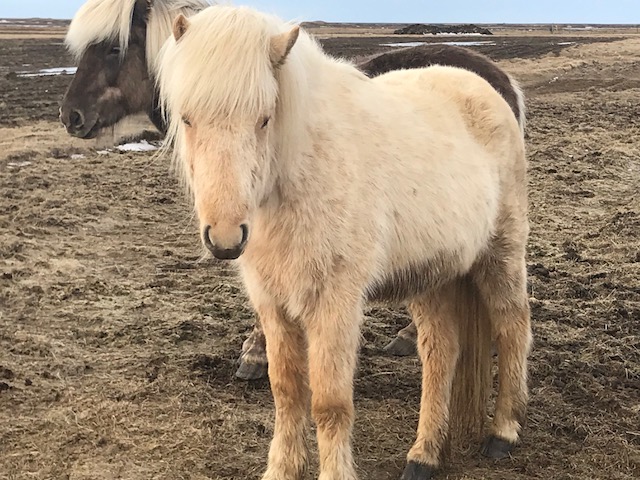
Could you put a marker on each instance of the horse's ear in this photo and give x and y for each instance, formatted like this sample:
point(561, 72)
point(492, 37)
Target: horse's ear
point(281, 45)
point(180, 25)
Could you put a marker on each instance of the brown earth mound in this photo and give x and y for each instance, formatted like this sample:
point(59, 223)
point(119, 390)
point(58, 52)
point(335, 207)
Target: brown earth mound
point(421, 29)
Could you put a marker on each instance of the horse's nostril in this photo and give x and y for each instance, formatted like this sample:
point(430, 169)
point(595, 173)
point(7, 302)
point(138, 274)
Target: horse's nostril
point(76, 119)
point(207, 239)
point(245, 233)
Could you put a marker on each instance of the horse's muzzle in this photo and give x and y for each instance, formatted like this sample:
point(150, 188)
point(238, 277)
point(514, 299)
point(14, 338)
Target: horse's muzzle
point(225, 253)
point(77, 124)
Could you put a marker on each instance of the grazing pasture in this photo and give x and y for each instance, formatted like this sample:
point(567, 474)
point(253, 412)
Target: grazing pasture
point(117, 346)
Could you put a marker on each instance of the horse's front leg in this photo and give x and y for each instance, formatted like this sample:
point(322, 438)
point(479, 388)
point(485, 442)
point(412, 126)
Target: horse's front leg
point(333, 335)
point(253, 359)
point(286, 352)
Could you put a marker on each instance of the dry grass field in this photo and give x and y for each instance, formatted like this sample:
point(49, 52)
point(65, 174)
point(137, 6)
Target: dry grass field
point(117, 346)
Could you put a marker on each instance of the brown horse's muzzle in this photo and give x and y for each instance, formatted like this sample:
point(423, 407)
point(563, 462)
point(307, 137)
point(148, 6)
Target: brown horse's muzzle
point(78, 124)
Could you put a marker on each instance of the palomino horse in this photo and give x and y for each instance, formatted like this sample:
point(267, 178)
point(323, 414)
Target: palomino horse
point(116, 43)
point(331, 188)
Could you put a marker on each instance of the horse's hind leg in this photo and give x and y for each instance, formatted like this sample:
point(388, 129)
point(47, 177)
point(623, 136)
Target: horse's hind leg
point(253, 359)
point(405, 342)
point(501, 279)
point(286, 351)
point(438, 347)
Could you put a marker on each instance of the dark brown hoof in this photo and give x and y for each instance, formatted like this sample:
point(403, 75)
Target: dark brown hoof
point(418, 471)
point(401, 347)
point(251, 371)
point(497, 448)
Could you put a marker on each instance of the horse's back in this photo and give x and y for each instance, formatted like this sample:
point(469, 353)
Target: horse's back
point(452, 94)
point(454, 143)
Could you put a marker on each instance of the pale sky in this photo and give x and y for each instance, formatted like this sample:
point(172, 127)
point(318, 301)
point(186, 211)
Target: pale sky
point(396, 11)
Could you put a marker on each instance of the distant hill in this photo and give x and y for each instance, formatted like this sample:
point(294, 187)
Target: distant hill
point(33, 23)
point(316, 24)
point(422, 29)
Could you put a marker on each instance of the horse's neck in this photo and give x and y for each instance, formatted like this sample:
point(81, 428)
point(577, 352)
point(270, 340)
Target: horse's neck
point(305, 84)
point(297, 80)
point(155, 113)
point(306, 124)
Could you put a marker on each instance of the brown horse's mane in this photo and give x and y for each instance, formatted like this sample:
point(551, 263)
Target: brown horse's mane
point(100, 20)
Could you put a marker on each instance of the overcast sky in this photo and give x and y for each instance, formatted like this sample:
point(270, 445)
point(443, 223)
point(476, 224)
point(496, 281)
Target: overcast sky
point(419, 11)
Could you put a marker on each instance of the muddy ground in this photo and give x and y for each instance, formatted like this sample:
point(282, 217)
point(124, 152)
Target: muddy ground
point(117, 347)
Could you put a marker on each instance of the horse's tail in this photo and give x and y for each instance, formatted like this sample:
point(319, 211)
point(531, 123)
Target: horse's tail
point(472, 381)
point(521, 115)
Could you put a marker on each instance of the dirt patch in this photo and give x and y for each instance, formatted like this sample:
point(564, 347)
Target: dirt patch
point(118, 342)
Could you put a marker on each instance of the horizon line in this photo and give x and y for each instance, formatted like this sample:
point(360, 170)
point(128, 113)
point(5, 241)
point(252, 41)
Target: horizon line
point(397, 23)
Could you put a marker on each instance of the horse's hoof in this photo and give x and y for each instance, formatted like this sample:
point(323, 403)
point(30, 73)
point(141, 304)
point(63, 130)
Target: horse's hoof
point(497, 448)
point(418, 471)
point(251, 371)
point(401, 347)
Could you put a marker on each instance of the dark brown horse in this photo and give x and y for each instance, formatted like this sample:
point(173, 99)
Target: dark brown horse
point(116, 43)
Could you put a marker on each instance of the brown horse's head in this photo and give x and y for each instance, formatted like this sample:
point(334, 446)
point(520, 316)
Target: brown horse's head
point(113, 79)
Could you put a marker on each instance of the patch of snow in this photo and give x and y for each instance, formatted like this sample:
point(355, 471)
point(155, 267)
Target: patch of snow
point(565, 43)
point(468, 44)
point(407, 44)
point(45, 72)
point(103, 152)
point(24, 25)
point(417, 44)
point(18, 164)
point(142, 146)
point(77, 156)
point(453, 33)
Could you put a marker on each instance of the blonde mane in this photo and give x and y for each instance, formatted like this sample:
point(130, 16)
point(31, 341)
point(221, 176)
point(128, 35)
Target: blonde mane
point(222, 65)
point(99, 20)
point(208, 59)
point(161, 17)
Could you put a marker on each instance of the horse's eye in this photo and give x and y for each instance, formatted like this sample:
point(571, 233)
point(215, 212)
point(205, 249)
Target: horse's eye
point(115, 51)
point(265, 122)
point(186, 121)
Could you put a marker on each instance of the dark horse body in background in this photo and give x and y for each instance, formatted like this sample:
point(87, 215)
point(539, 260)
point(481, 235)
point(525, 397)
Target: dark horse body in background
point(115, 80)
